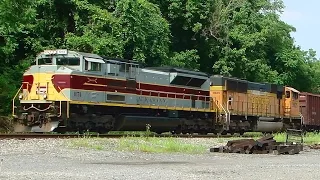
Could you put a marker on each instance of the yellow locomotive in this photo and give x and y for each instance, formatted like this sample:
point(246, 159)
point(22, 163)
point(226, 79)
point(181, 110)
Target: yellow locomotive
point(254, 106)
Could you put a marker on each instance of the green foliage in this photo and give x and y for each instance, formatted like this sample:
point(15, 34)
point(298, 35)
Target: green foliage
point(310, 138)
point(185, 59)
point(5, 125)
point(144, 31)
point(244, 39)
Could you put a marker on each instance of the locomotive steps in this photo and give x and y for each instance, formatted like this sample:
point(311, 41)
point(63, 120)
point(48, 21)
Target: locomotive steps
point(263, 145)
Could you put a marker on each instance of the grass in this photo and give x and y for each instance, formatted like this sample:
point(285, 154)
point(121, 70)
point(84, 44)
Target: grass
point(131, 133)
point(88, 141)
point(142, 144)
point(168, 144)
point(159, 145)
point(85, 142)
point(309, 139)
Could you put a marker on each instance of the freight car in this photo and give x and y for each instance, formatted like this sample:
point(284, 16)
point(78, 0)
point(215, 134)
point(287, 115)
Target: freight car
point(310, 109)
point(76, 91)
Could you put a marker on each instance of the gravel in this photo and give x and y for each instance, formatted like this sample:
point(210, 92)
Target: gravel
point(55, 159)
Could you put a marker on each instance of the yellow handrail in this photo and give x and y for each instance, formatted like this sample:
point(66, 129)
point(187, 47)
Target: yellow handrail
point(13, 105)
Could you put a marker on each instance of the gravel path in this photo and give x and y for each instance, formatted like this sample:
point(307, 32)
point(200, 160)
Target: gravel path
point(52, 159)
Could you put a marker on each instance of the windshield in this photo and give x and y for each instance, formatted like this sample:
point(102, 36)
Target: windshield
point(44, 61)
point(70, 61)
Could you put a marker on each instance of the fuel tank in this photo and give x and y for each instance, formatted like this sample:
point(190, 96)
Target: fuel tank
point(268, 126)
point(138, 123)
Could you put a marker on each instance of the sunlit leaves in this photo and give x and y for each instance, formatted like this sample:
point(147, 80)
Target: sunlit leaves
point(145, 32)
point(239, 38)
point(185, 59)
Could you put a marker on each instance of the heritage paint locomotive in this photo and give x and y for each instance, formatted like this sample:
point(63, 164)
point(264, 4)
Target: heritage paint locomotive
point(75, 91)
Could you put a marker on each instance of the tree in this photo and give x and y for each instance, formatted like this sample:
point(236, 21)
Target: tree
point(240, 38)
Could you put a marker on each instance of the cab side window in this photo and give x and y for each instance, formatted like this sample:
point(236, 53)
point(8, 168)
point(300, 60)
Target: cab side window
point(295, 95)
point(287, 94)
point(92, 66)
point(113, 69)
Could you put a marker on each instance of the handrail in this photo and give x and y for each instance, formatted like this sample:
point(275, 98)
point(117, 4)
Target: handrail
point(175, 96)
point(227, 116)
point(246, 108)
point(226, 112)
point(164, 92)
point(302, 118)
point(14, 98)
point(228, 119)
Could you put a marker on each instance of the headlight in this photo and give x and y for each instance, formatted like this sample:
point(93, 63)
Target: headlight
point(45, 96)
point(20, 96)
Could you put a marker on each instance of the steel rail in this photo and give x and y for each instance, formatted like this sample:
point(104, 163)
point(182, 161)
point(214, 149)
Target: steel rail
point(64, 136)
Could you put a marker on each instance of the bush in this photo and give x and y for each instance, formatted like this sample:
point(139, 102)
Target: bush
point(5, 124)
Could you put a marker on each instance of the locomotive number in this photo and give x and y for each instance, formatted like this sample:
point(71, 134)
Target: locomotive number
point(77, 94)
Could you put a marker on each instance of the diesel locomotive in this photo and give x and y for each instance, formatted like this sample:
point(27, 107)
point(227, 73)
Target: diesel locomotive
point(67, 90)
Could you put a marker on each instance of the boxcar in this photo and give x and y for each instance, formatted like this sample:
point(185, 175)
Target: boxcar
point(310, 110)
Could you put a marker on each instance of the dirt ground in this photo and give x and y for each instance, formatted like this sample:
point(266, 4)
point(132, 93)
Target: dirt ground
point(52, 159)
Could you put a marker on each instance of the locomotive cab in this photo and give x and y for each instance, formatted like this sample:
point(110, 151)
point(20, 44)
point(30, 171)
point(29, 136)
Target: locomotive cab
point(59, 58)
point(39, 99)
point(292, 117)
point(291, 103)
point(38, 80)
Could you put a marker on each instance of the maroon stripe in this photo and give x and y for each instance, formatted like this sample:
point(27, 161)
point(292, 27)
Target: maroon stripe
point(172, 89)
point(27, 82)
point(114, 85)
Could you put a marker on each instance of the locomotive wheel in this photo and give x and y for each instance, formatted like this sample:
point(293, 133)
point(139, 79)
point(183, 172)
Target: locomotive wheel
point(203, 133)
point(102, 131)
point(241, 132)
point(175, 132)
point(89, 126)
point(224, 132)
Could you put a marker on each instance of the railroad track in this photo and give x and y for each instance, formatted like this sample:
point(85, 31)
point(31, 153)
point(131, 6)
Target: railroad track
point(64, 136)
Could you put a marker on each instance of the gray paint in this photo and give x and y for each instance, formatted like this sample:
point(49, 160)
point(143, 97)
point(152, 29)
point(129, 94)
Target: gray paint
point(100, 97)
point(111, 69)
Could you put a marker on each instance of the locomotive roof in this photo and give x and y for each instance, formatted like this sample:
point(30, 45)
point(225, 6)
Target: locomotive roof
point(106, 57)
point(173, 69)
point(90, 55)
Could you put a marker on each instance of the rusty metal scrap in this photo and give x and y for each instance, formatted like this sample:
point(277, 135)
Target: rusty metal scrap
point(315, 146)
point(263, 145)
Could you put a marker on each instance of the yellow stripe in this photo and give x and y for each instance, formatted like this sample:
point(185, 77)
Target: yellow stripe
point(217, 88)
point(109, 92)
point(142, 106)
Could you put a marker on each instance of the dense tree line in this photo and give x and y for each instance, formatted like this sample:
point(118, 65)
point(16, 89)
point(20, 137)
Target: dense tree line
point(239, 38)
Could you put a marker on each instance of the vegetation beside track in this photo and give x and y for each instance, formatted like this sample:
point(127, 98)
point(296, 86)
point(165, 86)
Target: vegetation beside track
point(5, 124)
point(310, 138)
point(148, 144)
point(160, 145)
point(140, 144)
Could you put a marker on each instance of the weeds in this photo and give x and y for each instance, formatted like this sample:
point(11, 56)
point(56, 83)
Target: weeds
point(5, 125)
point(308, 138)
point(145, 143)
point(166, 145)
point(159, 145)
